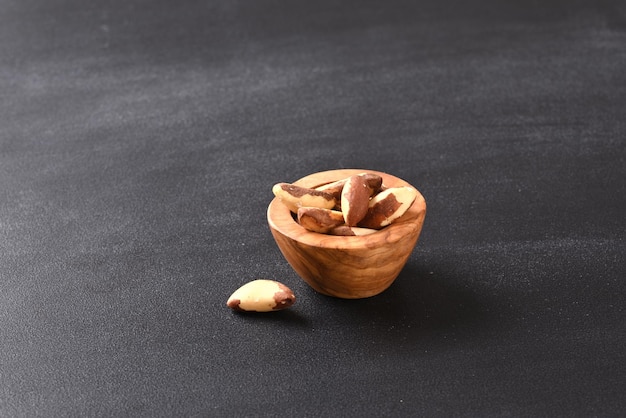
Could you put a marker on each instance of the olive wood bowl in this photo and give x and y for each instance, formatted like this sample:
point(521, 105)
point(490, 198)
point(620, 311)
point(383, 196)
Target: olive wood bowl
point(349, 267)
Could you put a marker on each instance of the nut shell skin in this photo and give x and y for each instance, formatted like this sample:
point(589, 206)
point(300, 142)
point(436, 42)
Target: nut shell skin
point(319, 219)
point(374, 182)
point(333, 188)
point(387, 206)
point(261, 295)
point(295, 197)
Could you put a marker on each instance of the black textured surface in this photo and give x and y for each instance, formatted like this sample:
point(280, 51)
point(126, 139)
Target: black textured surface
point(139, 141)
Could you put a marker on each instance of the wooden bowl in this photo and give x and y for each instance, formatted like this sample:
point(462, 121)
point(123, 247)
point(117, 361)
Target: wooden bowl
point(349, 267)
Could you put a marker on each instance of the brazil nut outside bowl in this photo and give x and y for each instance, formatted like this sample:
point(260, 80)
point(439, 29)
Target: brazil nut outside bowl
point(349, 267)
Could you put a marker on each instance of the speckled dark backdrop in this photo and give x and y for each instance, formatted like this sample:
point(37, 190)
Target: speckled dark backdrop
point(139, 141)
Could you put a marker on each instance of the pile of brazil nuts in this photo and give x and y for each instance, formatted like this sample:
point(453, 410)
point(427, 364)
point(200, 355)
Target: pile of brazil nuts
point(358, 205)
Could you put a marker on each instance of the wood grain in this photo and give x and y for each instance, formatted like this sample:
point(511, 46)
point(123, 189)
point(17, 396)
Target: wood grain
point(347, 267)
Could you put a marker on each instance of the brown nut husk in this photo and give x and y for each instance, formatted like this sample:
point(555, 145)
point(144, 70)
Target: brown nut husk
point(295, 197)
point(319, 219)
point(261, 295)
point(374, 182)
point(333, 188)
point(387, 206)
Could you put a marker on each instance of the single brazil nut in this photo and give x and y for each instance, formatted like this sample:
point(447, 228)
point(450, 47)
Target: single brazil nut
point(261, 295)
point(295, 197)
point(319, 219)
point(387, 206)
point(355, 199)
point(351, 231)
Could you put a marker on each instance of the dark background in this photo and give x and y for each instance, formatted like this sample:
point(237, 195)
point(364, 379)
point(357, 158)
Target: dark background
point(139, 141)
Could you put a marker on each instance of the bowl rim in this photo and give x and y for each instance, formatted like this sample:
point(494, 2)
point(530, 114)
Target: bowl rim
point(281, 220)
